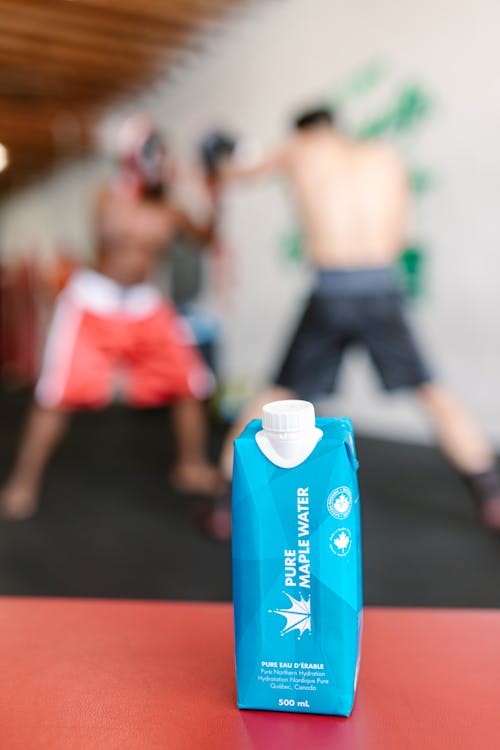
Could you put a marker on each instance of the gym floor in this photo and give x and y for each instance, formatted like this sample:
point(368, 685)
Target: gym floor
point(108, 525)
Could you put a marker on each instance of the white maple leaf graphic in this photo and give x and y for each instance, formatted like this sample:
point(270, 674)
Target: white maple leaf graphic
point(341, 541)
point(298, 617)
point(342, 502)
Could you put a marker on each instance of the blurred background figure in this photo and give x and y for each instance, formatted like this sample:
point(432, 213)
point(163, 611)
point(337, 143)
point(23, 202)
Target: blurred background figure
point(411, 74)
point(112, 330)
point(352, 197)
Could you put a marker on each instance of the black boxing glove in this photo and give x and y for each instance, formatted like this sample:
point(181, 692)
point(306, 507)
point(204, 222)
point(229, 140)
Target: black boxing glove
point(214, 148)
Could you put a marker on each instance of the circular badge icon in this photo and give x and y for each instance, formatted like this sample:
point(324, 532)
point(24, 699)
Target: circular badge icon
point(341, 542)
point(339, 502)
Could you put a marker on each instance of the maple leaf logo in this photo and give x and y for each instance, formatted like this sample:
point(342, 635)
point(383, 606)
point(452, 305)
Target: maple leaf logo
point(298, 616)
point(339, 502)
point(342, 503)
point(340, 542)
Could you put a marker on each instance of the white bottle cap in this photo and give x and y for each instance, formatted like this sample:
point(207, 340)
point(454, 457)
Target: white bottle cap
point(290, 419)
point(289, 433)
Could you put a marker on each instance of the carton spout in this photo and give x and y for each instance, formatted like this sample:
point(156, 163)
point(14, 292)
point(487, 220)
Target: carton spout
point(289, 433)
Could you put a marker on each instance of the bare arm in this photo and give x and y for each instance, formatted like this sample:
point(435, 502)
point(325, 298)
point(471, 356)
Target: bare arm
point(202, 233)
point(99, 199)
point(99, 204)
point(234, 169)
point(229, 169)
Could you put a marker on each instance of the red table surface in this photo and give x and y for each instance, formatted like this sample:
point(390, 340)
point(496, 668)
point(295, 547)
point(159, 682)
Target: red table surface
point(81, 674)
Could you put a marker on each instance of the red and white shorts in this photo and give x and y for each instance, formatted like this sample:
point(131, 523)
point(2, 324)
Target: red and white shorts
point(106, 338)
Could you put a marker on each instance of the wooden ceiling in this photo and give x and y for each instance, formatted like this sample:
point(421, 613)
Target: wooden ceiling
point(61, 61)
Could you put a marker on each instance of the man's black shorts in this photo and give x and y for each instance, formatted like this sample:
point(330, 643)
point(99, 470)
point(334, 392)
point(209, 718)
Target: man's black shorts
point(361, 307)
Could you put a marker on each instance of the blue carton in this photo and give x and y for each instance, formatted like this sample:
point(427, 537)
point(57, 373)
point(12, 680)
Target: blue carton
point(297, 578)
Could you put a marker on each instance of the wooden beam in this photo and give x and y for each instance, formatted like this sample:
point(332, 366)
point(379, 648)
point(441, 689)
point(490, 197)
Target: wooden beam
point(61, 57)
point(68, 57)
point(61, 129)
point(18, 83)
point(179, 13)
point(101, 27)
point(115, 20)
point(93, 41)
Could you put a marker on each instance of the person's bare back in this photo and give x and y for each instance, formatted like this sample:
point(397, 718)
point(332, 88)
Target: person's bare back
point(352, 198)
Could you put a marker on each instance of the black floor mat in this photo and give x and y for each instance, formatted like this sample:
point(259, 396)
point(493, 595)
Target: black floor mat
point(109, 526)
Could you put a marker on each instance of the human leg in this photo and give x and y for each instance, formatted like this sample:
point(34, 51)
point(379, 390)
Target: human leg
point(310, 365)
point(253, 410)
point(74, 374)
point(43, 431)
point(165, 367)
point(463, 442)
point(309, 368)
point(458, 433)
point(216, 520)
point(398, 359)
point(192, 471)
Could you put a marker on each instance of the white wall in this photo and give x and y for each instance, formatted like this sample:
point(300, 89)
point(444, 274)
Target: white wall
point(275, 57)
point(53, 212)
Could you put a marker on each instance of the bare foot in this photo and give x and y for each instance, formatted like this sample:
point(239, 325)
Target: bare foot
point(489, 513)
point(485, 489)
point(215, 518)
point(218, 524)
point(200, 479)
point(17, 501)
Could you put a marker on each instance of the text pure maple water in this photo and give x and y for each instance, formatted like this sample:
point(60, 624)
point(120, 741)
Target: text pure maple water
point(297, 578)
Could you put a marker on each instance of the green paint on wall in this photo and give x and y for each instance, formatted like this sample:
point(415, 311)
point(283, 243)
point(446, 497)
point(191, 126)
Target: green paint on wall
point(413, 105)
point(361, 82)
point(292, 246)
point(421, 181)
point(411, 268)
point(410, 107)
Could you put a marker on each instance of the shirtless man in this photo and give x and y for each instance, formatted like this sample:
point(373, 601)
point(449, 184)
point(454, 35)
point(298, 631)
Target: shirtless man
point(112, 330)
point(353, 200)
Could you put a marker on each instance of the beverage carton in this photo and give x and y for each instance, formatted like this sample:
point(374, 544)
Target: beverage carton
point(296, 562)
